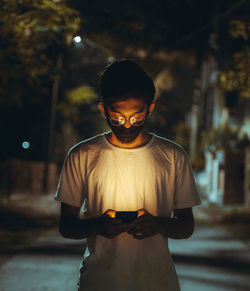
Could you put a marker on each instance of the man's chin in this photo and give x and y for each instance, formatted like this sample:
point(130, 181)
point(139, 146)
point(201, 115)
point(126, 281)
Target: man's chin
point(126, 135)
point(126, 139)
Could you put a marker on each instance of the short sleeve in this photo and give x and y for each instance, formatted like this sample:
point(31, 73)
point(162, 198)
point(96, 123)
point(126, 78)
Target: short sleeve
point(70, 185)
point(186, 193)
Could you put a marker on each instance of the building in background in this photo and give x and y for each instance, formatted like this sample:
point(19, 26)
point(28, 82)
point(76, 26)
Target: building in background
point(224, 131)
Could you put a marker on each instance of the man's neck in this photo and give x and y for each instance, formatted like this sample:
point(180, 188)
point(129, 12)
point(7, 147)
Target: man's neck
point(142, 139)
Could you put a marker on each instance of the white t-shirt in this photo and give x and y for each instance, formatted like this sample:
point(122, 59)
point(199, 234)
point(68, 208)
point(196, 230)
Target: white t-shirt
point(97, 176)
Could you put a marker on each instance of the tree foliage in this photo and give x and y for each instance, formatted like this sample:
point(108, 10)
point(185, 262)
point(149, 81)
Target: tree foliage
point(32, 34)
point(224, 137)
point(238, 78)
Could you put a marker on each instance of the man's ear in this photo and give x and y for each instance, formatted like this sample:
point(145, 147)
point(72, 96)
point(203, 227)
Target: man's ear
point(101, 108)
point(151, 108)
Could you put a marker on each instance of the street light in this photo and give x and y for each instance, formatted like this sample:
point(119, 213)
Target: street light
point(77, 39)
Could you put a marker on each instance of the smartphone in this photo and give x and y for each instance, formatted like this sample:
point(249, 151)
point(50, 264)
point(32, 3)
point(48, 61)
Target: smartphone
point(126, 216)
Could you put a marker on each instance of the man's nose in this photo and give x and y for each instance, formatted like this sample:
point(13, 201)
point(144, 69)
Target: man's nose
point(127, 123)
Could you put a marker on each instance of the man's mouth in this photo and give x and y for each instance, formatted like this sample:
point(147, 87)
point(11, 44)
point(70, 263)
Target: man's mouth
point(126, 135)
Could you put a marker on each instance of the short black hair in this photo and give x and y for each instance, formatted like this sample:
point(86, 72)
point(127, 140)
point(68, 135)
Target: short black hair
point(124, 79)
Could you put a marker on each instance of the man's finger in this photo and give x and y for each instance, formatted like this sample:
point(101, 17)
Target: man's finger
point(142, 220)
point(139, 221)
point(133, 231)
point(137, 230)
point(116, 221)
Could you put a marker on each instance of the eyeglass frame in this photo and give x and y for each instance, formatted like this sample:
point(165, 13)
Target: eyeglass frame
point(110, 119)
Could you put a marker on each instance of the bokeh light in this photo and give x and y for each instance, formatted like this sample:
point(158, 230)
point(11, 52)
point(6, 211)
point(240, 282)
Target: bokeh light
point(25, 145)
point(77, 39)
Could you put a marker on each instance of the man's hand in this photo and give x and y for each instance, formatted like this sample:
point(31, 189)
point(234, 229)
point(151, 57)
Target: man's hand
point(109, 226)
point(145, 225)
point(181, 226)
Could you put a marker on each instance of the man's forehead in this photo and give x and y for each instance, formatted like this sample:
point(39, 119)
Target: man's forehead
point(129, 104)
point(119, 108)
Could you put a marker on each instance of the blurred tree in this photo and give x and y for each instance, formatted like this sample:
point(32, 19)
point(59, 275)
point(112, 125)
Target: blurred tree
point(226, 138)
point(79, 98)
point(79, 107)
point(32, 34)
point(183, 135)
point(82, 94)
point(238, 77)
point(174, 97)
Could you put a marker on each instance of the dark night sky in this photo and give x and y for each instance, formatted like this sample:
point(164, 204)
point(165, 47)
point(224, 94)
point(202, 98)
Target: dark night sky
point(167, 24)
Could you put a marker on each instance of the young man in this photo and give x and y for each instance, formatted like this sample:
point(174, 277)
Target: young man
point(127, 169)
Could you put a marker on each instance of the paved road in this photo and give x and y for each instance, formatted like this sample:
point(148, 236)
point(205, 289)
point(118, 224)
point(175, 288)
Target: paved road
point(51, 264)
point(210, 260)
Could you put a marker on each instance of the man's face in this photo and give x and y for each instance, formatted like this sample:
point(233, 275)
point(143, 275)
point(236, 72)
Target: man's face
point(126, 118)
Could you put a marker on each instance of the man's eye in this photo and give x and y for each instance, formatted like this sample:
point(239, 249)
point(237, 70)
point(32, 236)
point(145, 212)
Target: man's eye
point(138, 118)
point(118, 119)
point(133, 119)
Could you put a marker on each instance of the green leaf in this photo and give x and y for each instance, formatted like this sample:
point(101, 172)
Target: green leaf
point(82, 94)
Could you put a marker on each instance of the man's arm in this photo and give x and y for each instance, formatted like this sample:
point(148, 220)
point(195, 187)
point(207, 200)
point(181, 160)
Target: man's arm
point(179, 227)
point(71, 226)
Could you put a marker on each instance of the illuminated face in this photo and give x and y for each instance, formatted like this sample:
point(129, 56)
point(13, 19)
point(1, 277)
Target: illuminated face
point(126, 118)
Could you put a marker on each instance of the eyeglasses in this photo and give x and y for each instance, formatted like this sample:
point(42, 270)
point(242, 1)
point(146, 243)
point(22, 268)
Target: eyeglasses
point(121, 119)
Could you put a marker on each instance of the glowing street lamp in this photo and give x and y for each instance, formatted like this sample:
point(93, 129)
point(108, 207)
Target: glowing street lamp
point(77, 39)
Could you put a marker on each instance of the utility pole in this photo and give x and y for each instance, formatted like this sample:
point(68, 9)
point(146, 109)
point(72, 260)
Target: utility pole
point(52, 123)
point(195, 119)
